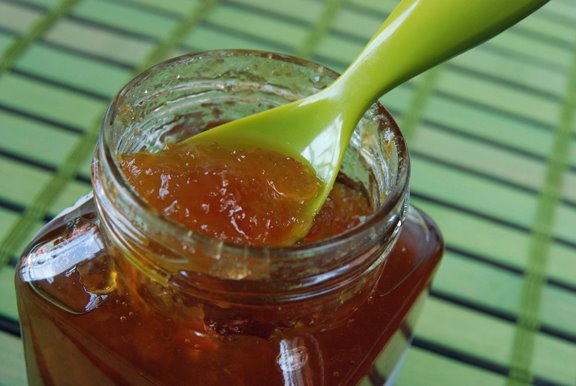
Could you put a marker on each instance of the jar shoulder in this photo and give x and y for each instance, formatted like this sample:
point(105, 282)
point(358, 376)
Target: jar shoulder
point(66, 262)
point(419, 244)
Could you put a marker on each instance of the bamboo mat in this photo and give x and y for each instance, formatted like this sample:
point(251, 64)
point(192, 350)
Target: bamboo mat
point(492, 135)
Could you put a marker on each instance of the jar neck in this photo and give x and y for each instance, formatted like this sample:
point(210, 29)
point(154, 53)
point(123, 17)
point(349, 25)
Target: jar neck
point(173, 255)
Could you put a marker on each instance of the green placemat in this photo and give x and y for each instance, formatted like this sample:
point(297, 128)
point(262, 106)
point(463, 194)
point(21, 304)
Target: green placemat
point(492, 135)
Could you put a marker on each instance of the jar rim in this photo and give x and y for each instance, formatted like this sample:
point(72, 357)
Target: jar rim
point(126, 193)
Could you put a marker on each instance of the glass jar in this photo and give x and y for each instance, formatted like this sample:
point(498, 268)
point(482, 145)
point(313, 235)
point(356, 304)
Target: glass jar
point(112, 293)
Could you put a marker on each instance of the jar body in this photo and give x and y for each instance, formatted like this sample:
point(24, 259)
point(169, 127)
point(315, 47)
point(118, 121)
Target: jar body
point(111, 293)
point(139, 333)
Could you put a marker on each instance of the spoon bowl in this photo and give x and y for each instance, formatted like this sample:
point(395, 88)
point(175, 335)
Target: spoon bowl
point(416, 36)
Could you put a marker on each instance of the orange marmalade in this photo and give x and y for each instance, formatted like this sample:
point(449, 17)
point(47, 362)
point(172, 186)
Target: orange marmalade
point(242, 196)
point(105, 322)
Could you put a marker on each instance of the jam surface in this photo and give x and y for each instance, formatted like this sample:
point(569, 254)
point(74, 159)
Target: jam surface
point(242, 196)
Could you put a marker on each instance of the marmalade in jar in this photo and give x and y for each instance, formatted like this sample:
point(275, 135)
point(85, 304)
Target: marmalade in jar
point(179, 269)
point(243, 196)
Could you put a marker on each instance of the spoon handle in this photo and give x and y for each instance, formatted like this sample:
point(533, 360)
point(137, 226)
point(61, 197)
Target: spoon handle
point(420, 34)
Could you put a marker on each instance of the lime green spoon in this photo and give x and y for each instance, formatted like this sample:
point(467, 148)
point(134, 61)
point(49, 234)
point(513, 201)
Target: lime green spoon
point(416, 36)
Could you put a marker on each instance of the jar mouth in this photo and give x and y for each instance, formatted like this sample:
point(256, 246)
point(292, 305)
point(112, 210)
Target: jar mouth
point(107, 165)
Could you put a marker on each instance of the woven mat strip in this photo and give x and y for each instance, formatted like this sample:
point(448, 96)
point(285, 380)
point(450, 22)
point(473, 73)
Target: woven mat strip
point(541, 240)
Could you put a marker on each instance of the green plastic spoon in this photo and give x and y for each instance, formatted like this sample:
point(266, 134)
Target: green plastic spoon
point(416, 36)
